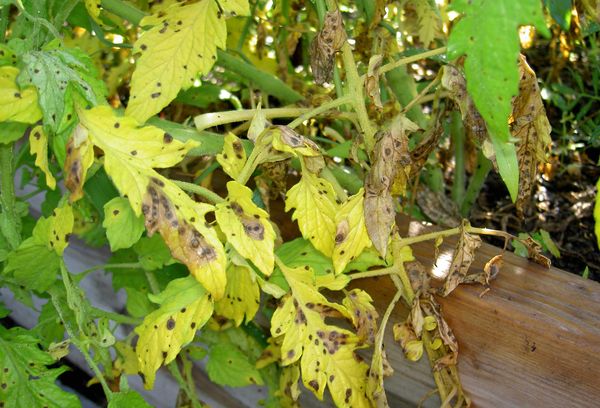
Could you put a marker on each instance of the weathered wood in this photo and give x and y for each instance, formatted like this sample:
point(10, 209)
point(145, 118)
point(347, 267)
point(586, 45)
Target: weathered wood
point(532, 340)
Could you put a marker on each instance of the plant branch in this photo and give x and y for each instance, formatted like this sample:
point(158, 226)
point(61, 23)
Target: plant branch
point(407, 60)
point(417, 99)
point(115, 317)
point(208, 120)
point(201, 191)
point(320, 109)
point(9, 225)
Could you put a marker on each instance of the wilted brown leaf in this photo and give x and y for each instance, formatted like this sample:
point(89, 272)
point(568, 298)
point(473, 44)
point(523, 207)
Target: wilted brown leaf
point(530, 126)
point(438, 208)
point(80, 156)
point(432, 308)
point(372, 82)
point(454, 81)
point(387, 177)
point(364, 315)
point(464, 254)
point(534, 252)
point(428, 143)
point(325, 45)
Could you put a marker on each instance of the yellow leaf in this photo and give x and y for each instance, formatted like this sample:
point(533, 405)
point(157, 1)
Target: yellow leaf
point(80, 157)
point(242, 295)
point(93, 7)
point(54, 231)
point(17, 105)
point(351, 235)
point(287, 140)
point(235, 7)
point(233, 157)
point(314, 201)
point(247, 227)
point(38, 145)
point(289, 389)
point(185, 307)
point(327, 353)
point(181, 45)
point(364, 315)
point(131, 151)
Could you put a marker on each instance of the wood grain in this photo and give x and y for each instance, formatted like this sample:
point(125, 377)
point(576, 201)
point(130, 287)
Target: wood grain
point(532, 340)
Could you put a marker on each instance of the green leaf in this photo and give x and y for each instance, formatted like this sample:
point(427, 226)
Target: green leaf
point(127, 399)
point(123, 227)
point(487, 34)
point(185, 306)
point(58, 74)
point(49, 328)
point(227, 365)
point(33, 265)
point(25, 381)
point(153, 253)
point(300, 252)
point(11, 131)
point(560, 10)
point(181, 45)
point(549, 243)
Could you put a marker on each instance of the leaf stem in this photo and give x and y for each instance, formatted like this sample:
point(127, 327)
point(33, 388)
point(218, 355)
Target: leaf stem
point(154, 287)
point(374, 273)
point(475, 184)
point(347, 99)
point(407, 60)
point(174, 370)
point(208, 120)
point(9, 224)
point(115, 317)
point(417, 99)
point(201, 191)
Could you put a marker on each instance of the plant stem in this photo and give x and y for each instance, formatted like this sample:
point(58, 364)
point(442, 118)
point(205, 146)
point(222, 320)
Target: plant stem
point(9, 226)
point(115, 317)
point(457, 134)
point(407, 60)
point(201, 191)
point(328, 175)
point(376, 272)
point(174, 370)
point(154, 287)
point(208, 120)
point(475, 184)
point(124, 10)
point(420, 96)
point(320, 109)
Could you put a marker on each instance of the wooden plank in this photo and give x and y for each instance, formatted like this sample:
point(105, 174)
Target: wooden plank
point(532, 340)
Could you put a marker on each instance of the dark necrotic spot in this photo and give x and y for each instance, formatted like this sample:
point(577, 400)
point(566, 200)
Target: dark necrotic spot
point(155, 95)
point(170, 324)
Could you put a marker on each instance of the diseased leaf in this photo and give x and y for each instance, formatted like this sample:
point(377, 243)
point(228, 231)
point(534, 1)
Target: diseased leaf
point(228, 365)
point(247, 227)
point(123, 227)
point(530, 126)
point(54, 231)
point(464, 255)
point(325, 45)
point(327, 353)
point(438, 207)
point(17, 105)
point(289, 141)
point(364, 316)
point(289, 386)
point(181, 44)
point(79, 158)
point(93, 7)
point(487, 34)
point(242, 295)
point(411, 345)
point(315, 210)
point(372, 81)
point(38, 145)
point(597, 213)
point(534, 252)
point(184, 308)
point(351, 235)
point(233, 157)
point(24, 377)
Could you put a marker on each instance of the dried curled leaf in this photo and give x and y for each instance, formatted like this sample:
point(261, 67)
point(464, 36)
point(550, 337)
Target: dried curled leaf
point(530, 126)
point(287, 140)
point(464, 255)
point(325, 45)
point(372, 82)
point(438, 207)
point(534, 252)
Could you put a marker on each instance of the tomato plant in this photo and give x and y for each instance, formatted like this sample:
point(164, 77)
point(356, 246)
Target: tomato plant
point(230, 240)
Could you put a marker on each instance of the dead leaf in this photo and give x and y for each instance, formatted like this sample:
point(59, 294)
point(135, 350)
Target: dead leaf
point(429, 141)
point(372, 82)
point(464, 254)
point(387, 177)
point(325, 45)
point(438, 208)
point(443, 362)
point(534, 252)
point(530, 126)
point(432, 308)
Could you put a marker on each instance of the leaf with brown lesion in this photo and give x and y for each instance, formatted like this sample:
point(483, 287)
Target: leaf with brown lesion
point(80, 156)
point(387, 177)
point(181, 224)
point(326, 44)
point(530, 125)
point(372, 81)
point(464, 255)
point(364, 315)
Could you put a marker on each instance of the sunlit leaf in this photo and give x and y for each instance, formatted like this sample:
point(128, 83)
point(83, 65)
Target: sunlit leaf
point(228, 365)
point(242, 295)
point(38, 145)
point(233, 157)
point(463, 257)
point(15, 104)
point(123, 227)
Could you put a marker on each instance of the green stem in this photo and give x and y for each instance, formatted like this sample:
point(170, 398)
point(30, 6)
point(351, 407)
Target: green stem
point(201, 191)
point(4, 21)
point(124, 10)
point(475, 184)
point(416, 100)
point(154, 287)
point(115, 317)
point(329, 176)
point(457, 134)
point(320, 109)
point(174, 370)
point(374, 273)
point(407, 60)
point(10, 224)
point(208, 120)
